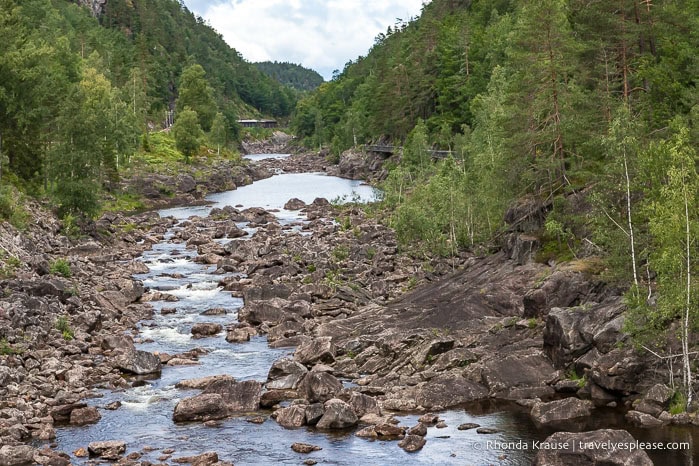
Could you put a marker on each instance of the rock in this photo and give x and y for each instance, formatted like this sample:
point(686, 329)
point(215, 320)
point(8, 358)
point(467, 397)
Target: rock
point(412, 443)
point(656, 400)
point(362, 404)
point(62, 413)
point(519, 375)
point(206, 329)
point(139, 362)
point(201, 383)
point(441, 425)
point(205, 459)
point(389, 431)
point(84, 416)
point(591, 456)
point(292, 416)
point(338, 415)
point(418, 429)
point(239, 334)
point(643, 420)
point(113, 406)
point(487, 430)
point(468, 426)
point(266, 293)
point(304, 447)
point(315, 351)
point(294, 204)
point(270, 398)
point(204, 407)
point(560, 410)
point(319, 386)
point(429, 418)
point(17, 455)
point(238, 396)
point(285, 374)
point(110, 448)
point(445, 391)
point(256, 313)
point(314, 412)
point(216, 311)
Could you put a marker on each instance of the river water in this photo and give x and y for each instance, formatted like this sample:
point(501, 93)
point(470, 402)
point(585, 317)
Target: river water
point(145, 417)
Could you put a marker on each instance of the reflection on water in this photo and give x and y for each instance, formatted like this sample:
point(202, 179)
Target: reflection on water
point(274, 192)
point(258, 157)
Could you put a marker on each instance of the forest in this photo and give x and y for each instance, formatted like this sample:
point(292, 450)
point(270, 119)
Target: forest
point(79, 92)
point(292, 75)
point(586, 109)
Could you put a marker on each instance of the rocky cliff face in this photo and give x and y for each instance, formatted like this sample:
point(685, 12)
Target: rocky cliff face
point(95, 6)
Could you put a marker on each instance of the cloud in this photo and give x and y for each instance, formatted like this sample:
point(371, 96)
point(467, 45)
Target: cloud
point(319, 34)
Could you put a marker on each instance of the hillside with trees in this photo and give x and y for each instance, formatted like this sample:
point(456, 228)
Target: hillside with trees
point(588, 111)
point(81, 88)
point(291, 75)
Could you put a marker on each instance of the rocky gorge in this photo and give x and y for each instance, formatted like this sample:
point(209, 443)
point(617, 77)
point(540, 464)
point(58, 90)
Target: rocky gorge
point(374, 331)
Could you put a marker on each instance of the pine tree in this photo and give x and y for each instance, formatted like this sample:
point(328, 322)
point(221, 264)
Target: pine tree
point(187, 133)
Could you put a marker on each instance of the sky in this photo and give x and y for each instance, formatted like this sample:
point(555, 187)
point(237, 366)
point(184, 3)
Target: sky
point(319, 34)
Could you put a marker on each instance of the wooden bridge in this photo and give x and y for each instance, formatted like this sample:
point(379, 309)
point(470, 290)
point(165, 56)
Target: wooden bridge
point(385, 149)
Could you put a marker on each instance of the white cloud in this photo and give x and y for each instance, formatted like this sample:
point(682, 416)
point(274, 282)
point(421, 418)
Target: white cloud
point(319, 34)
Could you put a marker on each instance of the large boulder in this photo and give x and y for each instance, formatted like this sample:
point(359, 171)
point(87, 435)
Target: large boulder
point(285, 374)
point(237, 396)
point(110, 448)
point(318, 350)
point(204, 407)
point(656, 400)
point(84, 416)
point(292, 416)
point(338, 415)
point(206, 329)
point(138, 362)
point(560, 410)
point(17, 455)
point(319, 386)
point(448, 390)
point(579, 449)
point(519, 375)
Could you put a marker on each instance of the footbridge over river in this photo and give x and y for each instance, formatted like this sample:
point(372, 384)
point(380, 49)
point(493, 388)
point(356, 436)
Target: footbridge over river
point(390, 150)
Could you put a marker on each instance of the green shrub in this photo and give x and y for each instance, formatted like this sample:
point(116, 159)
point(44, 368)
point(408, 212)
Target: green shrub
point(63, 326)
point(60, 267)
point(678, 403)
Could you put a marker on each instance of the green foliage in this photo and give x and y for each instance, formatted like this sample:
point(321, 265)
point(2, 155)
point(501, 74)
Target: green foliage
point(60, 267)
point(340, 253)
point(187, 133)
point(678, 403)
point(6, 349)
point(292, 75)
point(12, 208)
point(63, 325)
point(196, 94)
point(8, 265)
point(218, 135)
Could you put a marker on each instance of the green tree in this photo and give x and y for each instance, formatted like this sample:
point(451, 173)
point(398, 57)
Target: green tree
point(187, 133)
point(219, 133)
point(195, 93)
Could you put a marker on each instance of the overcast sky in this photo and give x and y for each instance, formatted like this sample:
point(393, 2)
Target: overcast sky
point(319, 34)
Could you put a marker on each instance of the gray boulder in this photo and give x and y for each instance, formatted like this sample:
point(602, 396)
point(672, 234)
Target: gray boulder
point(17, 455)
point(285, 374)
point(561, 410)
point(318, 350)
point(319, 386)
point(338, 415)
point(108, 448)
point(138, 362)
point(237, 396)
point(204, 407)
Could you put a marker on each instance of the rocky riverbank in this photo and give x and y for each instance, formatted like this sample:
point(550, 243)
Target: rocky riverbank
point(417, 335)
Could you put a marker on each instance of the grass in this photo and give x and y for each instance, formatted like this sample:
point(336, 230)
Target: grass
point(60, 267)
point(6, 349)
point(678, 403)
point(63, 326)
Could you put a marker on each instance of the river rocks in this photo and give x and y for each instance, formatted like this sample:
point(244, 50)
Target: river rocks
point(412, 443)
point(205, 459)
point(138, 362)
point(205, 329)
point(319, 386)
point(318, 350)
point(294, 204)
point(338, 415)
point(285, 374)
point(292, 416)
point(84, 416)
point(237, 396)
point(656, 400)
point(560, 410)
point(204, 407)
point(448, 390)
point(17, 455)
point(108, 449)
point(362, 404)
point(574, 450)
point(202, 383)
point(643, 420)
point(304, 447)
point(519, 375)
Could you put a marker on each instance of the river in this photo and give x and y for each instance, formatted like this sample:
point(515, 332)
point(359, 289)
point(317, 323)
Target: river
point(144, 420)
